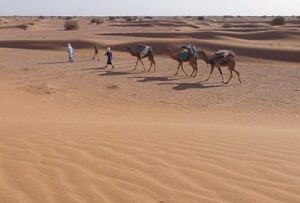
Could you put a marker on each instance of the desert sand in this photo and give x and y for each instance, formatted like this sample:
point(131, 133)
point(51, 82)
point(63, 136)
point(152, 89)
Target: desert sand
point(77, 132)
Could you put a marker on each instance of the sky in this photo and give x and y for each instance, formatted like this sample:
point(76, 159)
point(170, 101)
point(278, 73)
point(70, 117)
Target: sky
point(148, 7)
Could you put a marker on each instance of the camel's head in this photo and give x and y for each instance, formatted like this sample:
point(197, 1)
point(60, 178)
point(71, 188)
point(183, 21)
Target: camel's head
point(200, 54)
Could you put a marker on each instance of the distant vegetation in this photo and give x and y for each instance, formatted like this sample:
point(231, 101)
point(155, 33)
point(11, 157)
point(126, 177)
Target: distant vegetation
point(201, 18)
point(130, 18)
point(68, 18)
point(42, 17)
point(112, 17)
point(278, 20)
point(96, 21)
point(71, 25)
point(227, 25)
point(298, 17)
point(227, 16)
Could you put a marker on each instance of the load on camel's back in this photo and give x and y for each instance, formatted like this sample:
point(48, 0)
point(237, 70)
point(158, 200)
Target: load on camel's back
point(142, 49)
point(222, 56)
point(185, 51)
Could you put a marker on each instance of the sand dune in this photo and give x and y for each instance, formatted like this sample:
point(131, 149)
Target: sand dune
point(77, 132)
point(19, 26)
point(260, 35)
point(160, 47)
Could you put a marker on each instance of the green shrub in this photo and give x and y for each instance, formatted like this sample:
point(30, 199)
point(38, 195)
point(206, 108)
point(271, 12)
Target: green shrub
point(71, 25)
point(278, 20)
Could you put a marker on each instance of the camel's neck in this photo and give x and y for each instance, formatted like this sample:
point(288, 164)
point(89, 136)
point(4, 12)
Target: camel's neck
point(131, 51)
point(172, 54)
point(204, 57)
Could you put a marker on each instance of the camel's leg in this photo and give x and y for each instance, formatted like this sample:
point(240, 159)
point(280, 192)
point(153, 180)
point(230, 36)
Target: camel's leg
point(143, 64)
point(136, 64)
point(154, 67)
point(196, 69)
point(211, 71)
point(192, 72)
point(152, 64)
point(193, 66)
point(220, 71)
point(150, 67)
point(177, 69)
point(183, 70)
point(230, 70)
point(238, 74)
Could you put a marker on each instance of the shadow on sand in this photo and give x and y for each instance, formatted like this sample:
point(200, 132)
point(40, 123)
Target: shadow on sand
point(61, 62)
point(53, 63)
point(186, 86)
point(91, 69)
point(153, 79)
point(114, 73)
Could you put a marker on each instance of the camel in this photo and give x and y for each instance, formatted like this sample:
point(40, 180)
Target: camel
point(220, 59)
point(185, 56)
point(143, 51)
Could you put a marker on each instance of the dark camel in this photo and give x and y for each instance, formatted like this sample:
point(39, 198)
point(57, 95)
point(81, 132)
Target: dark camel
point(140, 55)
point(229, 61)
point(191, 59)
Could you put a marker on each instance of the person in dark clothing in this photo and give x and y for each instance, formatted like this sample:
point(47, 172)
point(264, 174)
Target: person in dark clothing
point(109, 58)
point(96, 52)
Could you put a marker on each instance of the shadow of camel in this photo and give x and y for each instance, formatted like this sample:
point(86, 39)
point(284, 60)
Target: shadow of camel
point(153, 79)
point(52, 63)
point(114, 73)
point(186, 86)
point(98, 68)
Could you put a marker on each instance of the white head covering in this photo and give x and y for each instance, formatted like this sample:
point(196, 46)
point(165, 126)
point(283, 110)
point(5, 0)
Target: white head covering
point(108, 49)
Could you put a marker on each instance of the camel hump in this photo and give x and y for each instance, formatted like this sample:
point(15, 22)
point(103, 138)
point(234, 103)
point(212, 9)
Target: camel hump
point(191, 48)
point(222, 56)
point(222, 53)
point(143, 49)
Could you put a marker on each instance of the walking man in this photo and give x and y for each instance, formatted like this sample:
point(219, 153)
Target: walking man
point(109, 58)
point(70, 52)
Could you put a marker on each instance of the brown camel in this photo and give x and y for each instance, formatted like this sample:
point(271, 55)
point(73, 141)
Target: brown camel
point(220, 59)
point(143, 51)
point(191, 58)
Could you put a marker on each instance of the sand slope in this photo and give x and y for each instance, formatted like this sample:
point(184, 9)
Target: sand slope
point(81, 133)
